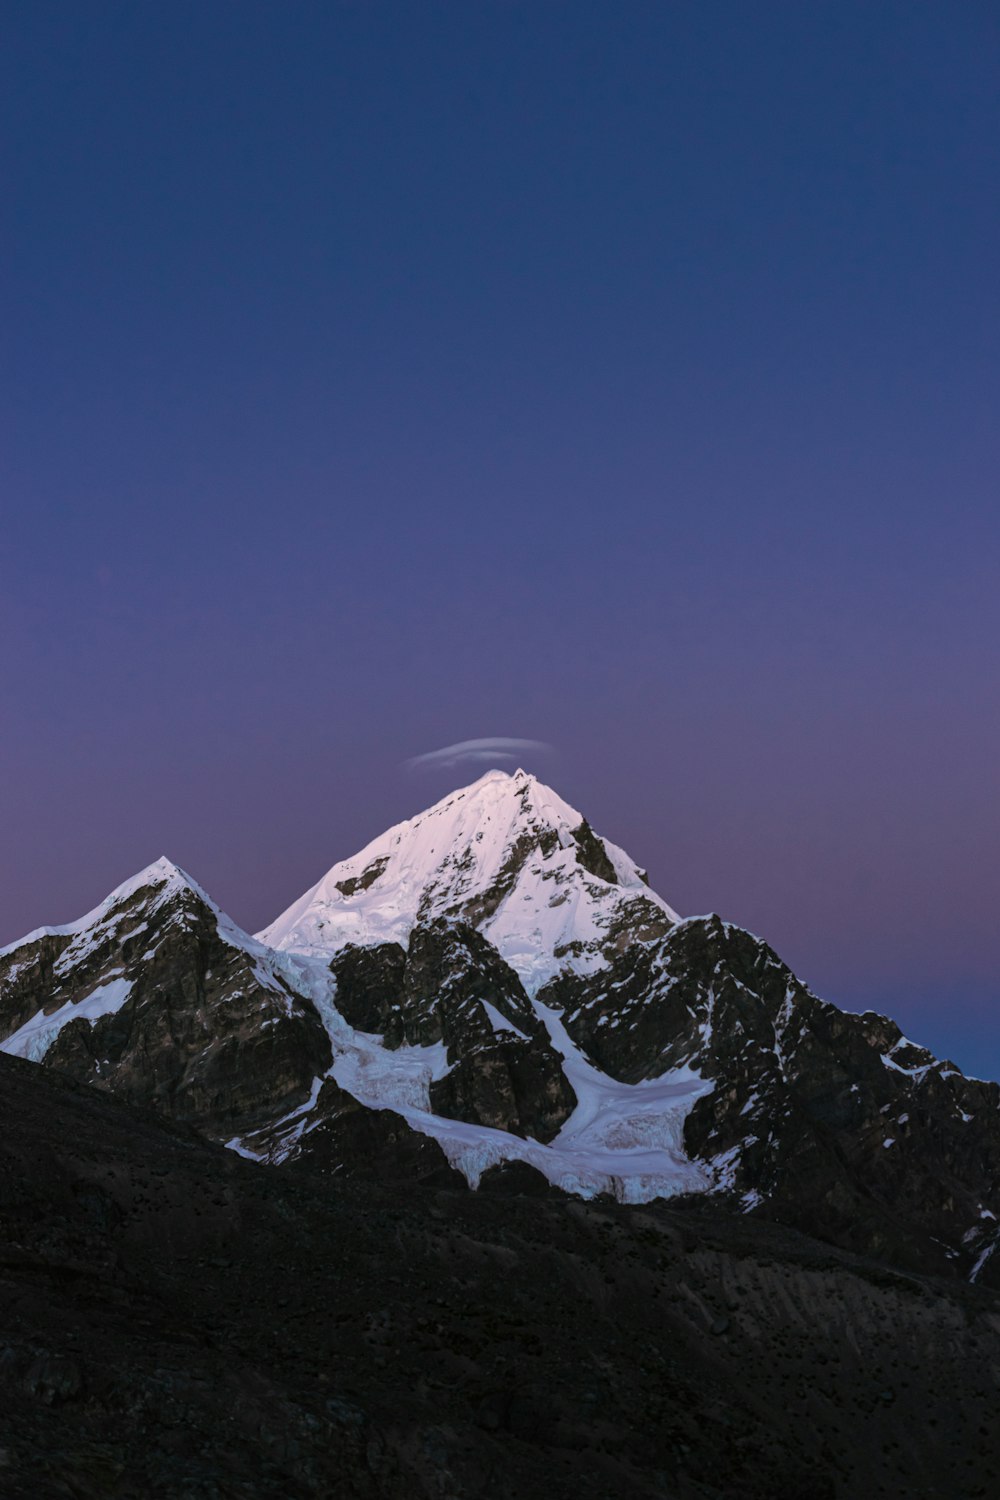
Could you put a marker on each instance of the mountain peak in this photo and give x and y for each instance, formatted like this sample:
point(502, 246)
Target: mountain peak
point(162, 869)
point(497, 777)
point(162, 878)
point(505, 854)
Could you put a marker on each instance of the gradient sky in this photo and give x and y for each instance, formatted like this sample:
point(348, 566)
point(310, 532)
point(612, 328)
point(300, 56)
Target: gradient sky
point(377, 376)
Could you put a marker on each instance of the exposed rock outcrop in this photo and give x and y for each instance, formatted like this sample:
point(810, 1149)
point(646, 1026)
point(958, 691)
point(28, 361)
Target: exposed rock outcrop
point(159, 999)
point(827, 1120)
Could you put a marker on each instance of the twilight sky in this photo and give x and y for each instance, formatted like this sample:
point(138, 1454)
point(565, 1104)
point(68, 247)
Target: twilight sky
point(378, 376)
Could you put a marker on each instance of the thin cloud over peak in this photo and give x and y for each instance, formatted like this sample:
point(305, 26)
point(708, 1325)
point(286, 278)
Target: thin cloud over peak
point(493, 750)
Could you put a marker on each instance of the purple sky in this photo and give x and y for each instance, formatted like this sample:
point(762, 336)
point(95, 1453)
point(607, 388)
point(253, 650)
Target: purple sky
point(625, 378)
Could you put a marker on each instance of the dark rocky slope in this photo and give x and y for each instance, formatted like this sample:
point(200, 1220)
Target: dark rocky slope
point(177, 1322)
point(819, 1118)
point(504, 1071)
point(210, 1032)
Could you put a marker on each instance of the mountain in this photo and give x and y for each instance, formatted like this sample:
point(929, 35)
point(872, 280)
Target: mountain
point(491, 994)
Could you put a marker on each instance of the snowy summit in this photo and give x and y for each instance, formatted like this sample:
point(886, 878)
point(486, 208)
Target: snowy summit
point(506, 855)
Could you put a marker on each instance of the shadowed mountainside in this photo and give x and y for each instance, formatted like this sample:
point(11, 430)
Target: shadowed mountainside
point(177, 1321)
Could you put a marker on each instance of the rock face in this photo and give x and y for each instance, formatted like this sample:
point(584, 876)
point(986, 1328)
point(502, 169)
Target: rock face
point(157, 997)
point(492, 989)
point(830, 1121)
point(351, 1140)
point(452, 986)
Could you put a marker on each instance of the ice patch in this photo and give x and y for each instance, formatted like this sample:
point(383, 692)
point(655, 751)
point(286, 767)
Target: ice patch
point(915, 1073)
point(500, 1024)
point(35, 1037)
point(237, 1145)
point(983, 1257)
point(399, 1079)
point(623, 1139)
point(290, 1127)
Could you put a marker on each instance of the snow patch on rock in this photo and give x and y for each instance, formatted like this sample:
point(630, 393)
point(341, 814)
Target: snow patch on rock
point(35, 1037)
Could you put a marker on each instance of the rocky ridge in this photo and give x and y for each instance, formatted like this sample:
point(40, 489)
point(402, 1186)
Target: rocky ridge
point(158, 997)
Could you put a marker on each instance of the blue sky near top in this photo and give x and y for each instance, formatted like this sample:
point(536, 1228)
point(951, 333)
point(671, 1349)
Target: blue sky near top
point(377, 377)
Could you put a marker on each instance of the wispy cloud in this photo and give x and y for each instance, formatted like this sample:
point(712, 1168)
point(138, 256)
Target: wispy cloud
point(493, 751)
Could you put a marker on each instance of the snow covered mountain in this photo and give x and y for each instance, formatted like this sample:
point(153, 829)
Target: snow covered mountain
point(505, 855)
point(490, 993)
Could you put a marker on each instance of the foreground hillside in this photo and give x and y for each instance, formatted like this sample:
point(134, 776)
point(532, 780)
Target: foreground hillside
point(177, 1321)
